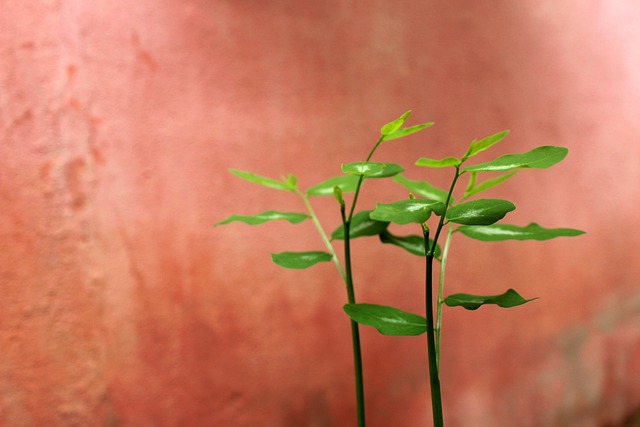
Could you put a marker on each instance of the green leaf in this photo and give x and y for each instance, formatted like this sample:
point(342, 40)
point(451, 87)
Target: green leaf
point(361, 225)
point(387, 320)
point(300, 260)
point(372, 169)
point(390, 169)
point(501, 232)
point(413, 244)
point(406, 131)
point(442, 163)
point(289, 185)
point(393, 126)
point(487, 184)
point(422, 188)
point(472, 302)
point(407, 211)
point(479, 212)
point(263, 217)
point(347, 184)
point(479, 146)
point(539, 158)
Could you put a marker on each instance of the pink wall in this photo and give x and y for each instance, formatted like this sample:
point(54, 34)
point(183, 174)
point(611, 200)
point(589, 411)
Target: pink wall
point(121, 304)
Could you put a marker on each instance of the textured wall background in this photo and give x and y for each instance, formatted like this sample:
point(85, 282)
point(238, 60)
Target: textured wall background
point(122, 306)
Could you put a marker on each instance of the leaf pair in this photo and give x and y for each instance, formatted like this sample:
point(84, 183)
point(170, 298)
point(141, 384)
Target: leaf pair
point(476, 212)
point(475, 148)
point(394, 129)
point(392, 321)
point(390, 131)
point(295, 260)
point(539, 158)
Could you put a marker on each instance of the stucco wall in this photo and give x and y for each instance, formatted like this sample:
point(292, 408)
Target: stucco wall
point(121, 304)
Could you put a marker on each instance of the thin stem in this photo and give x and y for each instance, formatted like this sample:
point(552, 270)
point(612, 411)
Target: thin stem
point(446, 206)
point(443, 265)
point(375, 147)
point(433, 352)
point(361, 180)
point(323, 235)
point(434, 379)
point(355, 199)
point(443, 262)
point(347, 277)
point(355, 330)
point(351, 295)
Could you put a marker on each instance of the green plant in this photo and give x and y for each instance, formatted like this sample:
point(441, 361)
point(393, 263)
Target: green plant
point(476, 219)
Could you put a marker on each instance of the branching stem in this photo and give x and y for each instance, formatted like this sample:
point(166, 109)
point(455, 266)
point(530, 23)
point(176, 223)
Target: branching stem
point(347, 277)
point(433, 332)
point(323, 235)
point(355, 329)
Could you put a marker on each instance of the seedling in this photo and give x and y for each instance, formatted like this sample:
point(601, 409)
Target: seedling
point(433, 211)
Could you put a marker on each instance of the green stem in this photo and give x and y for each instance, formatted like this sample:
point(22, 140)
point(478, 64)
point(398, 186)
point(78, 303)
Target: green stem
point(434, 379)
point(323, 235)
point(361, 180)
point(355, 330)
point(446, 206)
point(443, 265)
point(347, 277)
point(432, 332)
point(375, 147)
point(443, 262)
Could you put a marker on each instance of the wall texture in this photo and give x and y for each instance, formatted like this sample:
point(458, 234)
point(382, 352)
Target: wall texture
point(122, 305)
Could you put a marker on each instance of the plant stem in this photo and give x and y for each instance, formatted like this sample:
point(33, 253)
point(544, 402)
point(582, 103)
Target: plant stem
point(443, 265)
point(375, 147)
point(347, 277)
point(360, 181)
point(434, 379)
point(446, 206)
point(443, 262)
point(433, 352)
point(351, 295)
point(355, 331)
point(323, 235)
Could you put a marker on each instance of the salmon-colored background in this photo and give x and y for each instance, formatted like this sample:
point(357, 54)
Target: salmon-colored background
point(121, 305)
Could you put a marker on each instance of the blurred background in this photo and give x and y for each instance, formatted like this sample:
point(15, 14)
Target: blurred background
point(122, 305)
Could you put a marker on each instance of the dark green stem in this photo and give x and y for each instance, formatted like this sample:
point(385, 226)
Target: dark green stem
point(361, 180)
point(434, 379)
point(439, 228)
point(446, 206)
point(355, 331)
point(432, 351)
